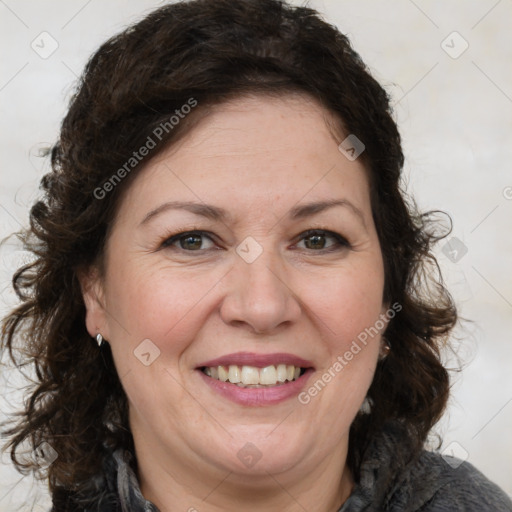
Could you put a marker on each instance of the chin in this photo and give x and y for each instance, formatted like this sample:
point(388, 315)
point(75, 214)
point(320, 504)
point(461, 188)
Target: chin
point(257, 451)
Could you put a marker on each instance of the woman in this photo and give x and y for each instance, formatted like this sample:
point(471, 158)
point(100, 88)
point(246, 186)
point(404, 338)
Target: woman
point(230, 306)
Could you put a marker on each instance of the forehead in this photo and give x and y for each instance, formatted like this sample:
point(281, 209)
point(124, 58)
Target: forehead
point(251, 153)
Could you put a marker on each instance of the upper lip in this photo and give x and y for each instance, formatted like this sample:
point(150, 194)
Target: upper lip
point(257, 360)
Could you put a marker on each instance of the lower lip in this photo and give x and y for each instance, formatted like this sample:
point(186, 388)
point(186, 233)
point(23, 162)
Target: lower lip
point(258, 396)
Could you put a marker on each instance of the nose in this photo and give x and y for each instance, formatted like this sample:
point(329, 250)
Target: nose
point(258, 295)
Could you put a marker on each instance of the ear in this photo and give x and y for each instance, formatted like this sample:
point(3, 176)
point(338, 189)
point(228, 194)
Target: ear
point(93, 294)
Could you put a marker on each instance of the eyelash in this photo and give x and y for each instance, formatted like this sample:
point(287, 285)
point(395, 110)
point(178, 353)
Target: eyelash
point(341, 242)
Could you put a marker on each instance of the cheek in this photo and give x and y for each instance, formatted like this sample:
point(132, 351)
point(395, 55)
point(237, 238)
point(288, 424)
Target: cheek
point(347, 302)
point(160, 303)
point(348, 305)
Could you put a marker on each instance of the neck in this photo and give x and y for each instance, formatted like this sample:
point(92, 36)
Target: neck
point(174, 485)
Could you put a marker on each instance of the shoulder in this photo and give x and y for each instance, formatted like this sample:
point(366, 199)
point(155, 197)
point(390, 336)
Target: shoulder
point(436, 483)
point(395, 478)
point(99, 494)
point(67, 501)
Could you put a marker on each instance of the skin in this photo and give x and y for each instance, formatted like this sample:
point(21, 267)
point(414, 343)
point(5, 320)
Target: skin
point(256, 157)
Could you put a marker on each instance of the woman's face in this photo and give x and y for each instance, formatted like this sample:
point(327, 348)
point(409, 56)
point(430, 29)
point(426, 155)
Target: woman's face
point(249, 288)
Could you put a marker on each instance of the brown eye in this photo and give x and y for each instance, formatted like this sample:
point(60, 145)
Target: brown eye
point(190, 241)
point(317, 240)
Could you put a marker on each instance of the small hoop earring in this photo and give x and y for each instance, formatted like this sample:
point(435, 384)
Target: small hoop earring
point(99, 339)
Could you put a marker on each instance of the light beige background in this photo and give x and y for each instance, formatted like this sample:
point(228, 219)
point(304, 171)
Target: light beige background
point(455, 116)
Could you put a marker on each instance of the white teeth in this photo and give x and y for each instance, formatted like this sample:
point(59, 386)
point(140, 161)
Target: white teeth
point(251, 376)
point(268, 375)
point(223, 374)
point(282, 374)
point(234, 374)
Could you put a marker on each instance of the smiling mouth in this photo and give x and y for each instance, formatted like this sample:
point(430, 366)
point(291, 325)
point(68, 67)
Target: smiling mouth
point(254, 377)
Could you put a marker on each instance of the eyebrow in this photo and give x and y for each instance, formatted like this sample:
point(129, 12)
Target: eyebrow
point(201, 209)
point(220, 214)
point(307, 210)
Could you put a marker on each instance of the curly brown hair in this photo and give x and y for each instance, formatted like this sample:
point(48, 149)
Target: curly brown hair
point(213, 51)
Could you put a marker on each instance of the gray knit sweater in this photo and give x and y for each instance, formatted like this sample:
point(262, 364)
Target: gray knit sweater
point(391, 481)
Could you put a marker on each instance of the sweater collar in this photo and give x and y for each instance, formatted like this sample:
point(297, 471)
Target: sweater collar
point(383, 469)
point(128, 488)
